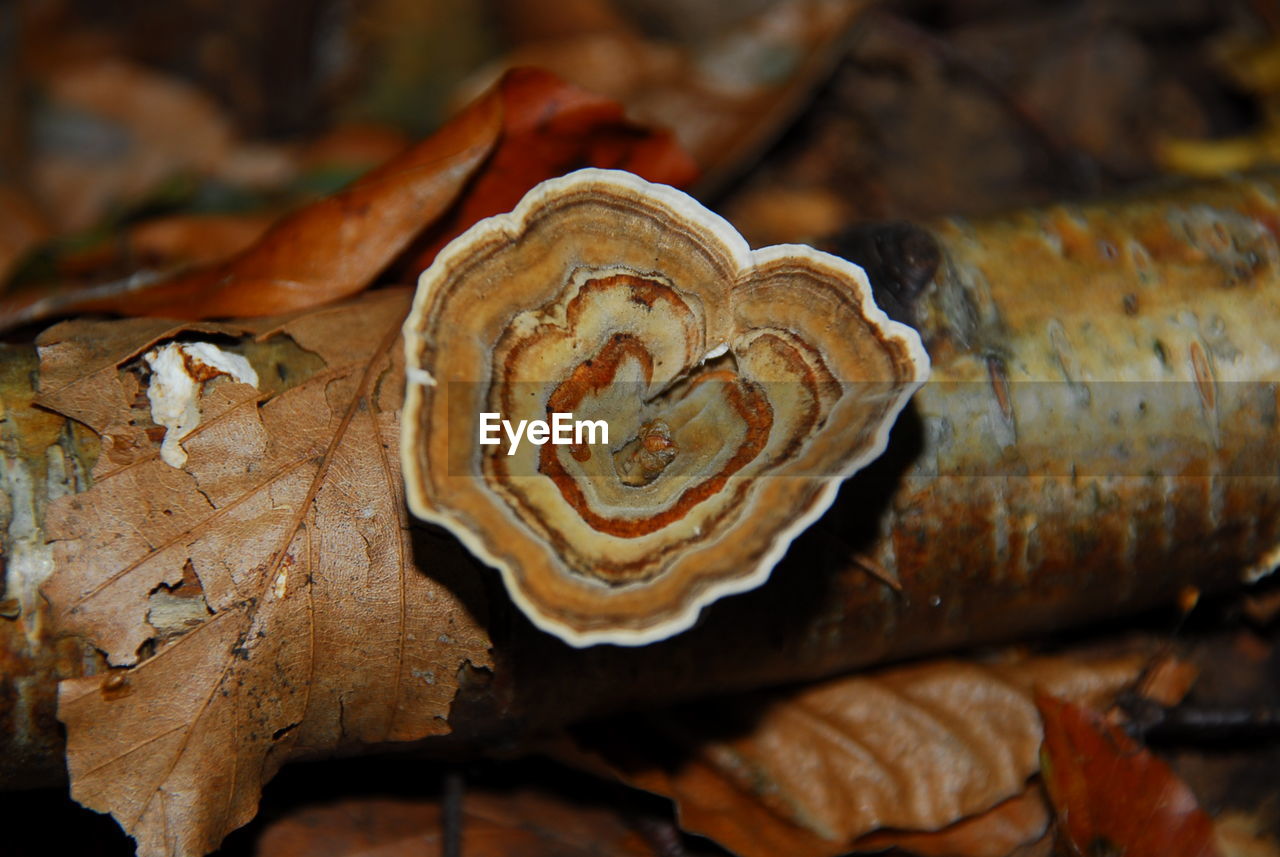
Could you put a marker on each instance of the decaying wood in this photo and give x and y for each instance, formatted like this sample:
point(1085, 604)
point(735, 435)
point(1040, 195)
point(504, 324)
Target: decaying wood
point(1099, 432)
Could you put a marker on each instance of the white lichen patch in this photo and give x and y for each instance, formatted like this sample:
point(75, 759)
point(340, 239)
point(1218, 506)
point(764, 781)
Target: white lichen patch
point(30, 560)
point(281, 586)
point(178, 373)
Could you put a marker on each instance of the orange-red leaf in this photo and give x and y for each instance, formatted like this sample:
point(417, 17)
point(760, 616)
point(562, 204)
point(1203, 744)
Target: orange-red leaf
point(327, 250)
point(334, 247)
point(1111, 795)
point(728, 85)
point(550, 128)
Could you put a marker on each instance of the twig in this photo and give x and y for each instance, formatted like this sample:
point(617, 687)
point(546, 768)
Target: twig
point(451, 814)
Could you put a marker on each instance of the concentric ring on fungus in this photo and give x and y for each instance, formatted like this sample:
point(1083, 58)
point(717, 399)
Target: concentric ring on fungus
point(739, 388)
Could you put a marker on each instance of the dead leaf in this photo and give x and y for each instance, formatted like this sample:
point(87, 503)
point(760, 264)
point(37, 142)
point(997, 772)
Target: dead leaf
point(807, 772)
point(193, 239)
point(334, 247)
point(494, 824)
point(161, 244)
point(354, 146)
point(1111, 795)
point(323, 252)
point(551, 128)
point(1016, 822)
point(530, 127)
point(320, 632)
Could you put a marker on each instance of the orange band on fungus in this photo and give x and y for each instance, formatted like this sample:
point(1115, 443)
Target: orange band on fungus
point(739, 388)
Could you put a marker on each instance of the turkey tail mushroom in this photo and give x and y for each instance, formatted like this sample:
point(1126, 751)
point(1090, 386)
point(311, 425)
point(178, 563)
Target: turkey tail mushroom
point(725, 394)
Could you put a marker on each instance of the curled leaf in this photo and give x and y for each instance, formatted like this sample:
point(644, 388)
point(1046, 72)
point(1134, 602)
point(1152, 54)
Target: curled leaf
point(1111, 795)
point(551, 128)
point(808, 772)
point(529, 127)
point(1018, 821)
point(335, 246)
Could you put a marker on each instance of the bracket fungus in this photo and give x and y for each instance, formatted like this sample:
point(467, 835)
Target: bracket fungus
point(725, 394)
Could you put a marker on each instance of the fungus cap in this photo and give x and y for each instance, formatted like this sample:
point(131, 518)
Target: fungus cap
point(738, 388)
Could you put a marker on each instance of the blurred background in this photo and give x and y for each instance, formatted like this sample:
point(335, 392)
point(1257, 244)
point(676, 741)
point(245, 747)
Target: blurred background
point(804, 115)
point(137, 134)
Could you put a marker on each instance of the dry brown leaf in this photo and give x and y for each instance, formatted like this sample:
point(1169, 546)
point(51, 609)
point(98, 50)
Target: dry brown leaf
point(335, 246)
point(1016, 822)
point(807, 772)
point(318, 630)
point(322, 252)
point(531, 126)
point(494, 824)
point(170, 243)
point(193, 239)
point(353, 146)
point(79, 377)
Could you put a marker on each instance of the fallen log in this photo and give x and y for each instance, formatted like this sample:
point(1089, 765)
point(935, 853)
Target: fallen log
point(1098, 434)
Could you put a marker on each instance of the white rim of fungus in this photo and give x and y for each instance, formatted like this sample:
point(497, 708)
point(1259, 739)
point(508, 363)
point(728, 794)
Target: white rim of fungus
point(684, 207)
